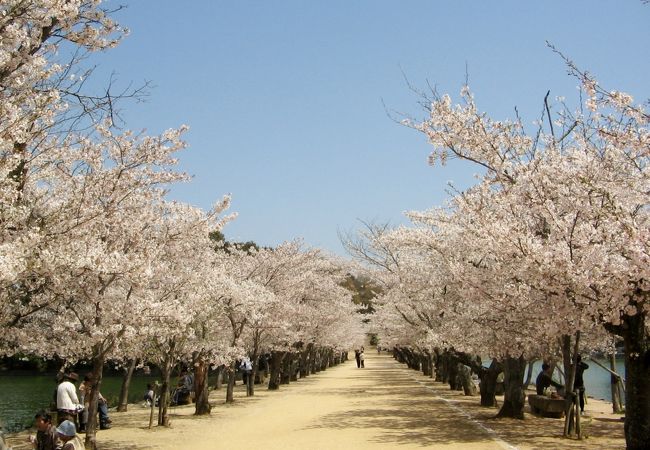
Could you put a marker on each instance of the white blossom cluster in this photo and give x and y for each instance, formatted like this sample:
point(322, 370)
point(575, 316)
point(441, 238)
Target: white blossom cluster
point(95, 262)
point(552, 240)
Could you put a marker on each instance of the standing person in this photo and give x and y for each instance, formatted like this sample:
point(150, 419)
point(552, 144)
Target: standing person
point(357, 357)
point(246, 367)
point(579, 383)
point(362, 358)
point(85, 390)
point(46, 437)
point(84, 397)
point(69, 437)
point(67, 402)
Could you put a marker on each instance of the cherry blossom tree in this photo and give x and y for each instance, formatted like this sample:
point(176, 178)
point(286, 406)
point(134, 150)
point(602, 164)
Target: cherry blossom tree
point(566, 212)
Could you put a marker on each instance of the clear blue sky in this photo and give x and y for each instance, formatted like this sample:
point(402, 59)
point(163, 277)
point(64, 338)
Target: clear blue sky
point(285, 99)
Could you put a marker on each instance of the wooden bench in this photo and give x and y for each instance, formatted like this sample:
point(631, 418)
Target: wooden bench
point(546, 406)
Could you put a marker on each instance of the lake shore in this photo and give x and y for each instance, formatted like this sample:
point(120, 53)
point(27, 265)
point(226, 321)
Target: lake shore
point(384, 405)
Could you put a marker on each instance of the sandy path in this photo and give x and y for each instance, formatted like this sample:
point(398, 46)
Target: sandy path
point(383, 406)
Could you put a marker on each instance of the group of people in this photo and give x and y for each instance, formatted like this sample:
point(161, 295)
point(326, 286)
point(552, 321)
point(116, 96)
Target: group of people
point(360, 358)
point(545, 380)
point(73, 407)
point(48, 437)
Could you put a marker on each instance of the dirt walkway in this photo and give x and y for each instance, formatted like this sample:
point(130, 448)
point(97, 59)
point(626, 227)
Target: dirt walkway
point(383, 406)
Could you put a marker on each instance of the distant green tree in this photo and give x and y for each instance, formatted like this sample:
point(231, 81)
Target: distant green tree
point(221, 243)
point(364, 291)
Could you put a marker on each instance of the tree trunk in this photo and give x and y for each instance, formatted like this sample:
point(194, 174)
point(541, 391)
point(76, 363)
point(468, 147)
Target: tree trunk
point(97, 372)
point(617, 404)
point(304, 361)
point(287, 366)
point(163, 400)
point(219, 373)
point(452, 371)
point(230, 388)
point(295, 367)
point(122, 404)
point(324, 359)
point(514, 398)
point(437, 363)
point(424, 364)
point(275, 365)
point(637, 382)
point(201, 403)
point(488, 386)
point(465, 377)
point(313, 361)
point(444, 366)
point(571, 419)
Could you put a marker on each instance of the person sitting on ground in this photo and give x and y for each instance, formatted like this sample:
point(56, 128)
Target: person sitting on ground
point(67, 433)
point(67, 402)
point(46, 437)
point(545, 379)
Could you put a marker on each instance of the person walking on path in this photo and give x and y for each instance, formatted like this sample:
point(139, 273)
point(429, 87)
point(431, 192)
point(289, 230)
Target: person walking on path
point(362, 358)
point(357, 354)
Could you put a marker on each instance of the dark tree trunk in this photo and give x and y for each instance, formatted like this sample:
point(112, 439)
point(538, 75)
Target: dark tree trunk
point(287, 366)
point(219, 381)
point(424, 364)
point(230, 388)
point(571, 419)
point(311, 360)
point(122, 404)
point(275, 365)
point(324, 359)
point(637, 382)
point(201, 404)
point(295, 366)
point(444, 367)
point(163, 401)
point(437, 363)
point(452, 370)
point(513, 402)
point(465, 378)
point(304, 361)
point(488, 385)
point(97, 373)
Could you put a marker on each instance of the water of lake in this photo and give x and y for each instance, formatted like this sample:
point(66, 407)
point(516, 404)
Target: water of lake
point(21, 396)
